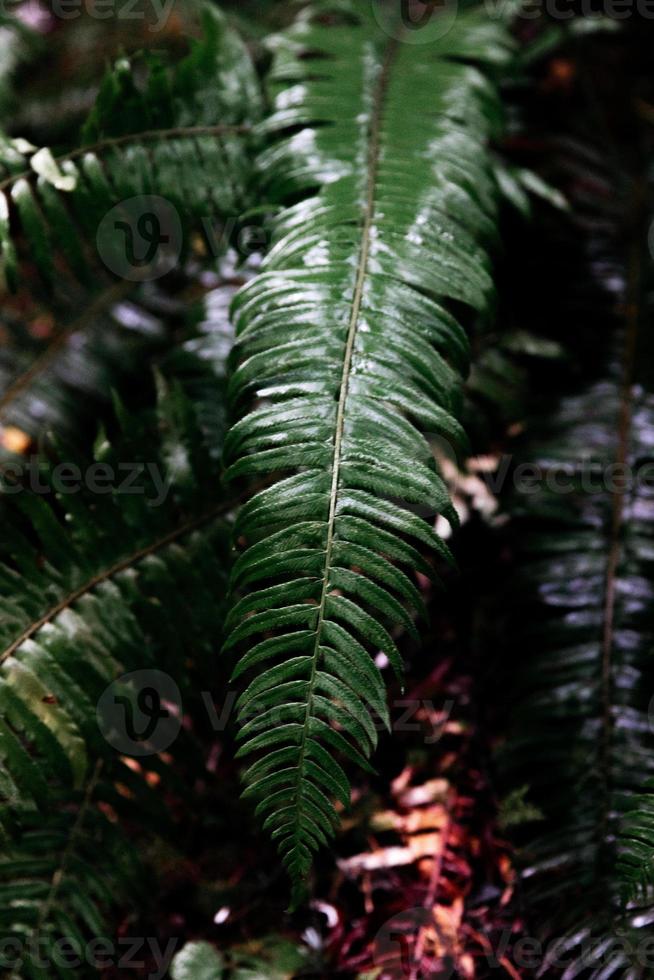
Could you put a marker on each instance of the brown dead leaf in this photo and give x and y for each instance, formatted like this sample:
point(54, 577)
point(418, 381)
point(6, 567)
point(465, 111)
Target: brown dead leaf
point(434, 790)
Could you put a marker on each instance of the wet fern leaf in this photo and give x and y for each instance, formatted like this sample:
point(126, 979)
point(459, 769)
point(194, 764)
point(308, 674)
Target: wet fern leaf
point(68, 875)
point(178, 143)
point(636, 848)
point(580, 610)
point(347, 351)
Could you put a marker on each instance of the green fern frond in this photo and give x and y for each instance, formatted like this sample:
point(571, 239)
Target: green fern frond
point(122, 571)
point(181, 135)
point(57, 369)
point(59, 886)
point(636, 849)
point(95, 583)
point(582, 606)
point(348, 344)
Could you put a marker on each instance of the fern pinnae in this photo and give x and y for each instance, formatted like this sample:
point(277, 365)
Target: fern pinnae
point(113, 294)
point(183, 136)
point(636, 850)
point(345, 343)
point(336, 461)
point(582, 604)
point(71, 564)
point(130, 561)
point(63, 881)
point(55, 884)
point(94, 586)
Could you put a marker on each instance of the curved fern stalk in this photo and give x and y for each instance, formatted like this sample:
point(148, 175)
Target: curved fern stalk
point(93, 584)
point(582, 606)
point(347, 342)
point(182, 135)
point(57, 371)
point(96, 583)
point(67, 875)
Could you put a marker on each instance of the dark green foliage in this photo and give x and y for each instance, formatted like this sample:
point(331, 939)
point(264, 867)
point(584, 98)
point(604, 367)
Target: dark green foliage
point(68, 874)
point(346, 343)
point(636, 855)
point(95, 584)
point(275, 959)
point(182, 136)
point(52, 365)
point(123, 566)
point(377, 179)
point(107, 572)
point(581, 729)
point(155, 135)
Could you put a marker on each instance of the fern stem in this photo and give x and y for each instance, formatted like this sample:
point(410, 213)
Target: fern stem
point(147, 136)
point(362, 271)
point(60, 871)
point(110, 296)
point(632, 323)
point(115, 569)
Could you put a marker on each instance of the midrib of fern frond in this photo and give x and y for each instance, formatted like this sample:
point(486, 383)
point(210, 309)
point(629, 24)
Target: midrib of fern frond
point(374, 148)
point(112, 142)
point(62, 865)
point(104, 301)
point(120, 566)
point(632, 299)
point(374, 270)
point(592, 635)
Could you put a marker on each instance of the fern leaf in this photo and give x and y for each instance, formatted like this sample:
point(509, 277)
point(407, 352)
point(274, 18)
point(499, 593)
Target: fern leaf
point(347, 342)
point(57, 370)
point(121, 573)
point(582, 605)
point(181, 136)
point(95, 583)
point(636, 848)
point(58, 886)
point(162, 137)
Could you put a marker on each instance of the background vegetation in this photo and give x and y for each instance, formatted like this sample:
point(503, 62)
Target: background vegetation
point(507, 827)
